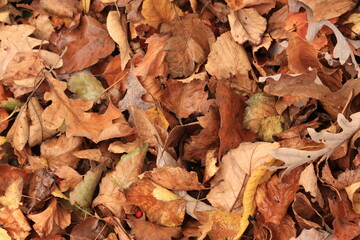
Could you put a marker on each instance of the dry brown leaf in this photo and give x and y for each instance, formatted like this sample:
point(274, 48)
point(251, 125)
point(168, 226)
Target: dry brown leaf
point(175, 178)
point(116, 26)
point(275, 196)
point(207, 139)
point(185, 99)
point(14, 39)
point(283, 231)
point(14, 222)
point(307, 85)
point(37, 133)
point(153, 65)
point(94, 126)
point(346, 222)
point(305, 213)
point(231, 108)
point(85, 44)
point(263, 6)
point(69, 178)
point(149, 231)
point(160, 205)
point(188, 45)
point(120, 147)
point(159, 11)
point(224, 225)
point(247, 25)
point(227, 58)
point(58, 151)
point(90, 228)
point(326, 9)
point(308, 180)
point(46, 220)
point(145, 128)
point(235, 168)
point(66, 8)
point(19, 132)
point(40, 187)
point(125, 173)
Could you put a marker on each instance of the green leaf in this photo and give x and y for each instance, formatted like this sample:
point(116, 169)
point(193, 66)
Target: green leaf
point(83, 192)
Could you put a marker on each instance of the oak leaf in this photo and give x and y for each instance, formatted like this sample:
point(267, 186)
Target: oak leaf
point(78, 122)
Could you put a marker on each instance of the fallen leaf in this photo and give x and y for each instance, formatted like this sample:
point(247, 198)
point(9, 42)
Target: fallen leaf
point(156, 12)
point(153, 65)
point(85, 45)
point(89, 229)
point(312, 233)
point(275, 196)
point(88, 124)
point(125, 173)
point(116, 26)
point(223, 224)
point(19, 132)
point(185, 99)
point(261, 4)
point(305, 214)
point(295, 157)
point(14, 222)
point(40, 187)
point(328, 9)
point(70, 178)
point(159, 204)
point(46, 220)
point(354, 196)
point(247, 25)
point(308, 180)
point(199, 144)
point(235, 168)
point(188, 45)
point(85, 85)
point(346, 222)
point(148, 231)
point(58, 151)
point(83, 192)
point(227, 58)
point(231, 108)
point(174, 178)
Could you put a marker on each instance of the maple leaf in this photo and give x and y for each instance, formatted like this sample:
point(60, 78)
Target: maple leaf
point(78, 122)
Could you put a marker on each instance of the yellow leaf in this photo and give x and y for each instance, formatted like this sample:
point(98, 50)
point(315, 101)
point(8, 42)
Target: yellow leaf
point(354, 196)
point(86, 5)
point(158, 11)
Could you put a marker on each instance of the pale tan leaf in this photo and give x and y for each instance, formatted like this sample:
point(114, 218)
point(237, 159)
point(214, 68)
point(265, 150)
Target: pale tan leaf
point(19, 132)
point(227, 58)
point(247, 25)
point(116, 26)
point(70, 178)
point(159, 11)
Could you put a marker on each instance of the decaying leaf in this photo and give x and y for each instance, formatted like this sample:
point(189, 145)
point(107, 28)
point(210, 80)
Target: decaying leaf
point(160, 205)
